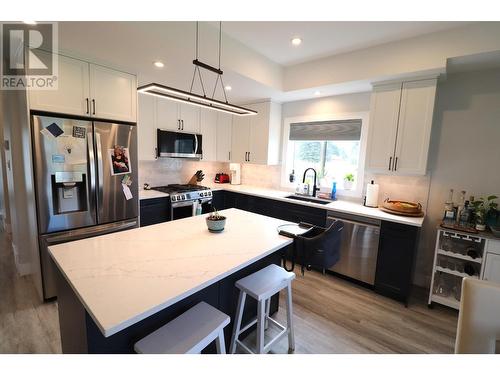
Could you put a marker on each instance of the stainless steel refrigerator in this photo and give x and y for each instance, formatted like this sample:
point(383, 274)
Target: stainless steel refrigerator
point(86, 182)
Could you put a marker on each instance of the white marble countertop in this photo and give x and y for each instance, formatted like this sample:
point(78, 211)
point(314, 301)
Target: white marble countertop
point(150, 194)
point(342, 206)
point(123, 278)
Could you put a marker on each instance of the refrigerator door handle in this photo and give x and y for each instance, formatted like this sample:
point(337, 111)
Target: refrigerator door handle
point(92, 182)
point(100, 175)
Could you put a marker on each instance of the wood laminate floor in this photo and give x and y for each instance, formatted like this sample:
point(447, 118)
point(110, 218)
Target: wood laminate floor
point(331, 316)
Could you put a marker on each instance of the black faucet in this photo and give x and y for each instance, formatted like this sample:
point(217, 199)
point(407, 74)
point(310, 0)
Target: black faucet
point(315, 189)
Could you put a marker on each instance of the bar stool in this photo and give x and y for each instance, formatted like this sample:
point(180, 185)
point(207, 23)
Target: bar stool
point(262, 285)
point(189, 333)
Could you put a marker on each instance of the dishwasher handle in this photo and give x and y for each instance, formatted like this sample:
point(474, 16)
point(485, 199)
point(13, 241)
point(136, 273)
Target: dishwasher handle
point(331, 219)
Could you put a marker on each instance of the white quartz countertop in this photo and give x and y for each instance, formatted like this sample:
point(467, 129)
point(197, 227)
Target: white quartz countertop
point(343, 206)
point(123, 278)
point(150, 194)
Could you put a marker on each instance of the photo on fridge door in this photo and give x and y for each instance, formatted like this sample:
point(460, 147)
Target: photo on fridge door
point(119, 159)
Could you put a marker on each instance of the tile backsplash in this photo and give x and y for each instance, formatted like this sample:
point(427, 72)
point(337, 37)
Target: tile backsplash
point(166, 171)
point(173, 171)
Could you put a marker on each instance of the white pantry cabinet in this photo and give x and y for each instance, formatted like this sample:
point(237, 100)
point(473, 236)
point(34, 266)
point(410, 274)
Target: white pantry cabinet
point(146, 129)
point(208, 130)
point(400, 127)
point(255, 139)
point(86, 89)
point(224, 130)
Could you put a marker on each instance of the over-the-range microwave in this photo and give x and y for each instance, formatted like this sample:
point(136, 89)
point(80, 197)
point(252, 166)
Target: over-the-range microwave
point(178, 144)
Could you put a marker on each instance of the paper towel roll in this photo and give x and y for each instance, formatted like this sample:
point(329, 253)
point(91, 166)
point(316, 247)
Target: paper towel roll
point(371, 195)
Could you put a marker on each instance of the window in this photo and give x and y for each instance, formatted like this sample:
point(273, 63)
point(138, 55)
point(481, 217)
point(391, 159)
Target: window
point(334, 148)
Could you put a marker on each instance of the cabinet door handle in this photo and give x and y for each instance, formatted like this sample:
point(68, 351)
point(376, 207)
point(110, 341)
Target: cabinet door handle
point(229, 155)
point(396, 164)
point(182, 122)
point(178, 124)
point(390, 162)
point(93, 106)
point(88, 109)
point(248, 155)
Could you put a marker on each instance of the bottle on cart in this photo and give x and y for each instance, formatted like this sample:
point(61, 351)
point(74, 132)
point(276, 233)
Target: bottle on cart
point(449, 211)
point(465, 215)
point(461, 205)
point(472, 219)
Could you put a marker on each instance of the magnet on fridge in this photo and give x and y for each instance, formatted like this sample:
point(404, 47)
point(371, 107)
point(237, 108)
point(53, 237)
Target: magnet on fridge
point(127, 180)
point(53, 130)
point(127, 192)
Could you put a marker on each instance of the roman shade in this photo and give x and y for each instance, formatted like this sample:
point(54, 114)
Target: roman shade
point(340, 130)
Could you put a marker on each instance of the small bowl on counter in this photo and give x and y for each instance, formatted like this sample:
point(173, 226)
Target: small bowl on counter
point(495, 230)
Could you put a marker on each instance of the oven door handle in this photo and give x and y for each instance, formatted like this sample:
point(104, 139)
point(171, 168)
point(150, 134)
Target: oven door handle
point(182, 204)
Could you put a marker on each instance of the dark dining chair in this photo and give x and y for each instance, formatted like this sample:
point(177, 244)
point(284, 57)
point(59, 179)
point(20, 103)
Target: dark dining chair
point(319, 247)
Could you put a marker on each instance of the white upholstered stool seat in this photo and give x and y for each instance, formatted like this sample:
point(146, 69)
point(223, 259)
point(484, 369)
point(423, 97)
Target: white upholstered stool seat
point(189, 333)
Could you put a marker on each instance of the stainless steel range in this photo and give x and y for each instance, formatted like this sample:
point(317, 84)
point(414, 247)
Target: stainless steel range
point(185, 199)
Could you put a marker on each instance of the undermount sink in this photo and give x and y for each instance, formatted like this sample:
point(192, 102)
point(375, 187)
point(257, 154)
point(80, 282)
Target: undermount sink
point(308, 199)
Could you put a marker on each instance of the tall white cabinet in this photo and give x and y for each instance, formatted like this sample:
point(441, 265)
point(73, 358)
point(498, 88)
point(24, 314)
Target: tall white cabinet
point(400, 127)
point(256, 139)
point(208, 130)
point(224, 132)
point(86, 89)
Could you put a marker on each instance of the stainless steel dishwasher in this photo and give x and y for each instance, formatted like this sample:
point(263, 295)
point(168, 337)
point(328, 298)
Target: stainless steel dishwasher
point(358, 254)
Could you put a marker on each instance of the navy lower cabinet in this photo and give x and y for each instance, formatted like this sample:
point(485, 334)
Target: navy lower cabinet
point(274, 208)
point(154, 211)
point(218, 199)
point(395, 261)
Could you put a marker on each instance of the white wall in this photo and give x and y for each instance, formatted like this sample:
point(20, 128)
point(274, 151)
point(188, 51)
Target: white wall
point(465, 149)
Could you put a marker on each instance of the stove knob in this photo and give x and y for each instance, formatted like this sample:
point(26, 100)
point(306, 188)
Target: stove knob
point(183, 197)
point(174, 198)
point(209, 193)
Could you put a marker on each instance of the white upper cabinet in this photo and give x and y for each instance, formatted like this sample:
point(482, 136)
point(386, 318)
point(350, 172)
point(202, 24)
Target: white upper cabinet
point(224, 130)
point(190, 118)
point(146, 129)
point(414, 129)
point(256, 139)
point(86, 89)
point(400, 127)
point(167, 114)
point(208, 130)
point(113, 93)
point(73, 93)
point(240, 139)
point(384, 111)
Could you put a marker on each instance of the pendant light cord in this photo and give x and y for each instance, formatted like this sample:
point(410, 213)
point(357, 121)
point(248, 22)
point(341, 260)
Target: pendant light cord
point(196, 68)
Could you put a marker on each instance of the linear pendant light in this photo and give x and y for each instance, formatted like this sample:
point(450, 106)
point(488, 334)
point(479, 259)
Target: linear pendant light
point(189, 97)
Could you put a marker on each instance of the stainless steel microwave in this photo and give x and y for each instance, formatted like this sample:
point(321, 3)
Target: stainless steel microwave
point(178, 144)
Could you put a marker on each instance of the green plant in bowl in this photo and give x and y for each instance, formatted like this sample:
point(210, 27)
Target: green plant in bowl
point(215, 221)
point(348, 181)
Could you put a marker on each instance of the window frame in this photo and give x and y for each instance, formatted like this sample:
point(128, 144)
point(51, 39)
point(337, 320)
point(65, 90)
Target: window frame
point(287, 149)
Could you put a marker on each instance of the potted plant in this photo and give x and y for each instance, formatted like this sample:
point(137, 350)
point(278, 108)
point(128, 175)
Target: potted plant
point(348, 181)
point(482, 208)
point(216, 222)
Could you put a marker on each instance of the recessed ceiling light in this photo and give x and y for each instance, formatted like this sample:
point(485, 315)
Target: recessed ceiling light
point(317, 93)
point(296, 41)
point(30, 22)
point(228, 88)
point(158, 64)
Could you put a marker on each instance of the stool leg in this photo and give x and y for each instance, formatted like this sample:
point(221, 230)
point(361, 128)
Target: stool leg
point(289, 318)
point(219, 342)
point(268, 307)
point(261, 317)
point(237, 323)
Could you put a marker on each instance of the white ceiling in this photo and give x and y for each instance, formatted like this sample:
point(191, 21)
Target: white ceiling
point(133, 46)
point(321, 39)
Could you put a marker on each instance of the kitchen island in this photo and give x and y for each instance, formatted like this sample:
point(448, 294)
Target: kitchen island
point(117, 288)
